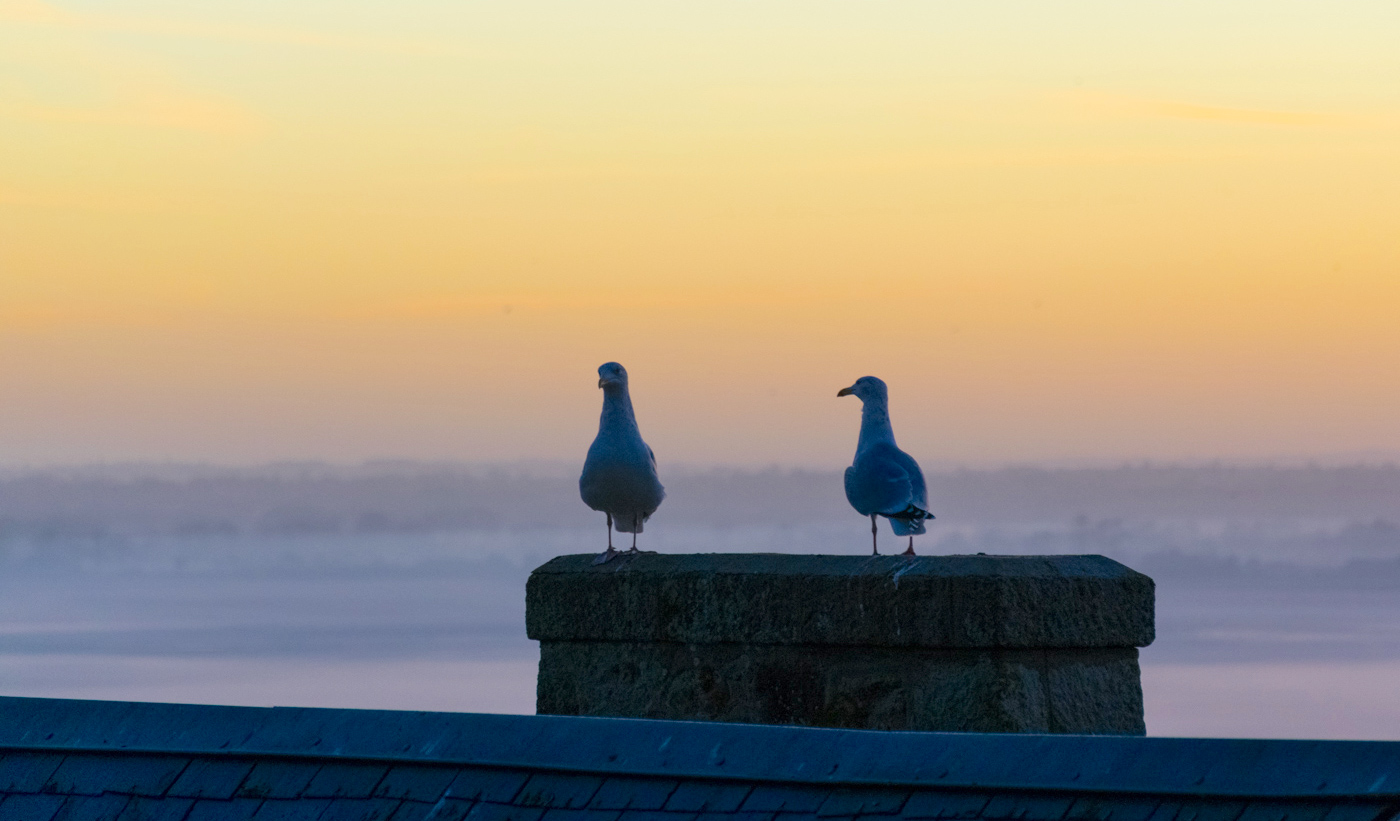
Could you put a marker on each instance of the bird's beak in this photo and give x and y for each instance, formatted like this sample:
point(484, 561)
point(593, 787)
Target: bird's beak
point(845, 392)
point(602, 382)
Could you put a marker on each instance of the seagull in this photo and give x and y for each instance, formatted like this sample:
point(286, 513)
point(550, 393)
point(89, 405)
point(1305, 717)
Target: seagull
point(884, 480)
point(619, 475)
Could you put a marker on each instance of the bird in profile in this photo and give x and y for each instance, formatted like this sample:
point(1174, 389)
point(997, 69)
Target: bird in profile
point(884, 481)
point(619, 475)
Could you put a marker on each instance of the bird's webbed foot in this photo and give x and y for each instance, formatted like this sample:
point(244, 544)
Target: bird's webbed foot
point(606, 556)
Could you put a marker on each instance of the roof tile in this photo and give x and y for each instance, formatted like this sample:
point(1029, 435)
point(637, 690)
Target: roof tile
point(291, 809)
point(277, 779)
point(31, 807)
point(736, 816)
point(1028, 807)
point(1113, 808)
point(450, 809)
point(937, 804)
point(480, 784)
point(1206, 810)
point(1353, 811)
point(656, 815)
point(863, 802)
point(417, 783)
point(346, 780)
point(502, 812)
point(1284, 811)
point(693, 796)
point(134, 774)
point(156, 809)
point(91, 808)
point(558, 791)
point(237, 809)
point(211, 778)
point(766, 798)
point(582, 815)
point(418, 811)
point(23, 771)
point(633, 794)
point(446, 809)
point(360, 809)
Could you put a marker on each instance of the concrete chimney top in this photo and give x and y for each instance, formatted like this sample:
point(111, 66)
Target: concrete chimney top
point(957, 643)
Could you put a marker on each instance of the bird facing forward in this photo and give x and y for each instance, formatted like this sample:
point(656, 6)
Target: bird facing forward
point(884, 480)
point(619, 475)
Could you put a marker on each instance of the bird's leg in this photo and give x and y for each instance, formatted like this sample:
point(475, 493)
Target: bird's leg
point(874, 544)
point(607, 555)
point(910, 551)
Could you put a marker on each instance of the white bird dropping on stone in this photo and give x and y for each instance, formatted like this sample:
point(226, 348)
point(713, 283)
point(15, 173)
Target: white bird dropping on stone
point(884, 480)
point(619, 475)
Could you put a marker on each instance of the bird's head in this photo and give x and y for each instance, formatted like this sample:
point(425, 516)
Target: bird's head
point(612, 376)
point(868, 388)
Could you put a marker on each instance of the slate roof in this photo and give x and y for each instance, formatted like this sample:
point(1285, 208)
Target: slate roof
point(93, 760)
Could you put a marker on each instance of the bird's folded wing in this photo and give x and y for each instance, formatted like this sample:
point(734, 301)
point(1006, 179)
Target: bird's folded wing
point(878, 483)
point(918, 491)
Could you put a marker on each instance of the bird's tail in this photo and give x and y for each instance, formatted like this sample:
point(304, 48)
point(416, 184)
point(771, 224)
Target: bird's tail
point(630, 523)
point(909, 521)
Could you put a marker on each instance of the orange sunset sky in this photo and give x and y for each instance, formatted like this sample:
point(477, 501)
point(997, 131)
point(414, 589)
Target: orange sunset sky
point(255, 230)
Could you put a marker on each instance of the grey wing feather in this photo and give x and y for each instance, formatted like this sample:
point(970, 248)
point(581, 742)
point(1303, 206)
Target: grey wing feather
point(918, 491)
point(878, 483)
point(910, 520)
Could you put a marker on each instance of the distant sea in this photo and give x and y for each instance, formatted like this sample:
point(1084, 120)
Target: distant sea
point(401, 585)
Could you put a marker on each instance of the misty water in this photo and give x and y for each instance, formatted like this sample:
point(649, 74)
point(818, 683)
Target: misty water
point(402, 585)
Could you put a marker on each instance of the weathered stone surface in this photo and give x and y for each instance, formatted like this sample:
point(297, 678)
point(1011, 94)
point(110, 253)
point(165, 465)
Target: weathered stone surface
point(1089, 690)
point(867, 601)
point(955, 643)
point(961, 690)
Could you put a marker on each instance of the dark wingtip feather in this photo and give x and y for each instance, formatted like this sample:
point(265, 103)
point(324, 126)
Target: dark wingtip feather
point(912, 513)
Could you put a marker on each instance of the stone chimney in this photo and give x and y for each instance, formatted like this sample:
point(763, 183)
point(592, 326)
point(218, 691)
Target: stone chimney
point(1040, 644)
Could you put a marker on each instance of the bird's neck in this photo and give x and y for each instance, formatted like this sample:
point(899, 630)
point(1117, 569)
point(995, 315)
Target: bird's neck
point(617, 410)
point(874, 425)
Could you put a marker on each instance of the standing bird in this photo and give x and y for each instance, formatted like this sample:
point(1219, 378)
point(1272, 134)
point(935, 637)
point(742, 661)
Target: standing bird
point(619, 475)
point(884, 481)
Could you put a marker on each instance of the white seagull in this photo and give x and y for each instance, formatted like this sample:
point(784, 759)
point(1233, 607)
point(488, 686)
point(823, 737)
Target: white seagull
point(884, 481)
point(619, 475)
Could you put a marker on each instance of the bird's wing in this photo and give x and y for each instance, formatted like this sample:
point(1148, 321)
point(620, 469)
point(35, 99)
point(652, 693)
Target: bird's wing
point(660, 489)
point(918, 490)
point(591, 482)
point(878, 482)
point(910, 520)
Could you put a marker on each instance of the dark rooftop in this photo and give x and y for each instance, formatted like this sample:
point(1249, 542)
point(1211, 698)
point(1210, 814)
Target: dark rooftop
point(114, 760)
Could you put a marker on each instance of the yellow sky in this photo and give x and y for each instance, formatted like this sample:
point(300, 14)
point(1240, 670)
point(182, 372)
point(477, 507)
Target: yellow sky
point(259, 230)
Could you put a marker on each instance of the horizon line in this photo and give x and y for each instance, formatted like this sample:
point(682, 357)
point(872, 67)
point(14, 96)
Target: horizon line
point(541, 467)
